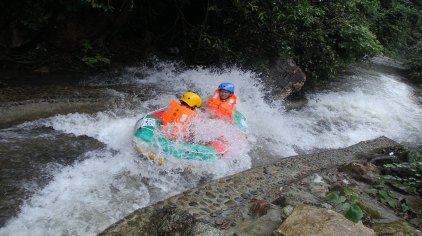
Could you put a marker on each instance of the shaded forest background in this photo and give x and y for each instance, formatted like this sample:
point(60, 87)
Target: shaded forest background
point(321, 36)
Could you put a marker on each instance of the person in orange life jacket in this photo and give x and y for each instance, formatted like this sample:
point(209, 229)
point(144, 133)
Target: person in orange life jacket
point(222, 103)
point(177, 114)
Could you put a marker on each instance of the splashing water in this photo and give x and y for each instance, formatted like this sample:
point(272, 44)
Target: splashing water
point(86, 197)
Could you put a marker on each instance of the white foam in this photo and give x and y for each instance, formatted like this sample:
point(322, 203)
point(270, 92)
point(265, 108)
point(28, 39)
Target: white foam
point(106, 127)
point(82, 199)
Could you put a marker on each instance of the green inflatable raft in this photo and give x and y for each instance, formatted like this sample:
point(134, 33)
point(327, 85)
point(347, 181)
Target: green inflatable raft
point(152, 144)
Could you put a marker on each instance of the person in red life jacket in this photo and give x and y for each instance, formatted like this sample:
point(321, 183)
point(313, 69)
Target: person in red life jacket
point(177, 114)
point(222, 103)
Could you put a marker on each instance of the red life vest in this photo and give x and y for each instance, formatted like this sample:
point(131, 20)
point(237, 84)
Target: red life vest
point(222, 109)
point(178, 116)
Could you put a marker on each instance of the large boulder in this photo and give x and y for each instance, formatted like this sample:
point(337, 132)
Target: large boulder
point(310, 220)
point(285, 78)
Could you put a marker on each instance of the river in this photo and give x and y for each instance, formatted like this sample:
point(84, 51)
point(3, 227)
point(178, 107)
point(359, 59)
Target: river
point(77, 173)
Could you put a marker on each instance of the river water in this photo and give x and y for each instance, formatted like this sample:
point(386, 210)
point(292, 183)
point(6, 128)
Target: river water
point(75, 174)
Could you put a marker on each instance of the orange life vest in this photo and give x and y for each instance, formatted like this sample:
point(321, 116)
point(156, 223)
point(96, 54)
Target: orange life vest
point(222, 109)
point(178, 116)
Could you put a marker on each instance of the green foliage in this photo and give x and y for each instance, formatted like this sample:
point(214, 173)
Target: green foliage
point(392, 200)
point(103, 5)
point(38, 15)
point(404, 207)
point(387, 197)
point(97, 59)
point(321, 36)
point(399, 29)
point(354, 213)
point(414, 61)
point(35, 18)
point(347, 199)
point(410, 183)
point(415, 156)
point(93, 57)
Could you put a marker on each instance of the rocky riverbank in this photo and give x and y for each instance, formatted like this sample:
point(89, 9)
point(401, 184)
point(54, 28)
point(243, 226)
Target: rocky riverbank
point(288, 197)
point(25, 103)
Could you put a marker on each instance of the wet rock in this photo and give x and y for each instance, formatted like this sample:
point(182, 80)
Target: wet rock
point(402, 171)
point(219, 221)
point(230, 203)
point(280, 201)
point(205, 209)
point(396, 228)
point(365, 172)
point(306, 220)
point(24, 103)
point(179, 222)
point(245, 195)
point(318, 186)
point(262, 226)
point(383, 160)
point(287, 210)
point(296, 195)
point(320, 190)
point(376, 210)
point(232, 215)
point(201, 229)
point(415, 203)
point(259, 207)
point(210, 195)
point(239, 199)
point(285, 78)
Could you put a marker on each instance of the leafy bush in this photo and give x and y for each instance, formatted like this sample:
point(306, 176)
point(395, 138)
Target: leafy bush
point(321, 36)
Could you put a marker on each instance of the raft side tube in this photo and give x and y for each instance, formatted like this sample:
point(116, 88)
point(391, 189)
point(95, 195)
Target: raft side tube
point(147, 136)
point(240, 121)
point(146, 127)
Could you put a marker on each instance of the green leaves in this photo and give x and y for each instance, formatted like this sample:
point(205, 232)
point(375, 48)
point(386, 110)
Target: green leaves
point(409, 180)
point(103, 5)
point(392, 200)
point(335, 197)
point(354, 213)
point(92, 56)
point(96, 60)
point(347, 200)
point(387, 198)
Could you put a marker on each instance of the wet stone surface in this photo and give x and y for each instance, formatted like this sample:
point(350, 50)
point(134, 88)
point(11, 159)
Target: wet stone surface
point(20, 104)
point(239, 188)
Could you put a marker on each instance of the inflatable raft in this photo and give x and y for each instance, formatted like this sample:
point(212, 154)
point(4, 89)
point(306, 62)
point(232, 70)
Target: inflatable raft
point(151, 143)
